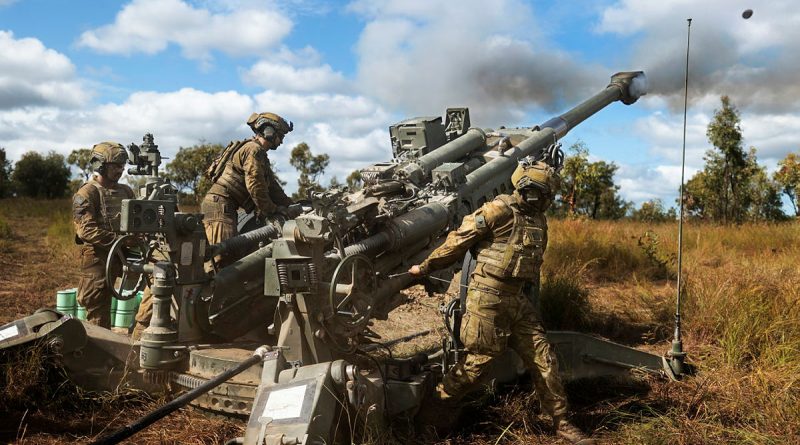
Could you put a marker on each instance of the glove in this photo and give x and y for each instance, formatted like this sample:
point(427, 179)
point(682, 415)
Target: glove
point(294, 210)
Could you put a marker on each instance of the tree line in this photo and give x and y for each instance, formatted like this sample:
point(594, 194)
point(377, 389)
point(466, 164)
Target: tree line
point(732, 187)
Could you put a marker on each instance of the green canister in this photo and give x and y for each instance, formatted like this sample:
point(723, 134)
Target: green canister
point(125, 312)
point(66, 302)
point(113, 309)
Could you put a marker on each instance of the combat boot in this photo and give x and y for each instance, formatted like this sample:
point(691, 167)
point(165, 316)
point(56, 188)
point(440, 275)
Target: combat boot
point(439, 413)
point(566, 430)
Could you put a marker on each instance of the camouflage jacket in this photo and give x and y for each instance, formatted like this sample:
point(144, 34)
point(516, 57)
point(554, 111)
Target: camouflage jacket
point(95, 212)
point(249, 181)
point(490, 229)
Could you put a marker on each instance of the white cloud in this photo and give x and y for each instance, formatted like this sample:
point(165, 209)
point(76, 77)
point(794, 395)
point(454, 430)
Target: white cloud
point(148, 26)
point(639, 183)
point(33, 75)
point(284, 77)
point(353, 130)
point(179, 118)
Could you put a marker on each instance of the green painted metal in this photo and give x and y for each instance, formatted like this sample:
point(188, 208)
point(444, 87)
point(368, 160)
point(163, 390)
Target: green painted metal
point(125, 311)
point(80, 313)
point(66, 303)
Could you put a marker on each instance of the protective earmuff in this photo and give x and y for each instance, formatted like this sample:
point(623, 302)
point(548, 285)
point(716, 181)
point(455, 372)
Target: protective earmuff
point(268, 133)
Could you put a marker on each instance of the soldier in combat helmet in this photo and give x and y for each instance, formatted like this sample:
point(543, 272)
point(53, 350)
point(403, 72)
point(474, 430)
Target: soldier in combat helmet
point(242, 178)
point(96, 215)
point(509, 237)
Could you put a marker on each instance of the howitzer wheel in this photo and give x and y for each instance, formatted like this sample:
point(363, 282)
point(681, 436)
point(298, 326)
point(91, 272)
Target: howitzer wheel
point(124, 265)
point(353, 285)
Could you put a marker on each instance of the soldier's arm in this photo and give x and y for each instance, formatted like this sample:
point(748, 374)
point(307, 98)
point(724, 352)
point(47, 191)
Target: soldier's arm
point(472, 229)
point(87, 227)
point(255, 165)
point(276, 192)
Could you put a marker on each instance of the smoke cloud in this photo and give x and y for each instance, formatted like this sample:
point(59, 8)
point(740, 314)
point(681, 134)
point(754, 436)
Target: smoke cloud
point(419, 56)
point(753, 61)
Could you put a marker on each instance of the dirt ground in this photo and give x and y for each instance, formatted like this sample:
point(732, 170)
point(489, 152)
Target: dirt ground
point(32, 269)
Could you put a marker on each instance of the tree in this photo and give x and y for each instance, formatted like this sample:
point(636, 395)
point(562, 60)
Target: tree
point(587, 188)
point(725, 134)
point(187, 170)
point(81, 158)
point(40, 176)
point(788, 178)
point(572, 176)
point(758, 197)
point(355, 181)
point(310, 167)
point(5, 174)
point(762, 194)
point(653, 211)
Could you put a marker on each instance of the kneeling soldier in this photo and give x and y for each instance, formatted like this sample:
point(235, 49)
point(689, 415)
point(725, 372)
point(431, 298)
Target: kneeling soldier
point(509, 235)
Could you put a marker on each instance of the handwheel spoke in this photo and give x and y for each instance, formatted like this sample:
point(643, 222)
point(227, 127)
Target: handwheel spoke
point(345, 300)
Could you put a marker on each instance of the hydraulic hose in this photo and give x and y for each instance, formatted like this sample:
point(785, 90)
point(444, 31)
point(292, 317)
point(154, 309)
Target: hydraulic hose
point(133, 428)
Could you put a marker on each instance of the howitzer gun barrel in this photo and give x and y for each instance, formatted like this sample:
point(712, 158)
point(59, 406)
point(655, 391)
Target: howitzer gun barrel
point(625, 86)
point(425, 221)
point(473, 139)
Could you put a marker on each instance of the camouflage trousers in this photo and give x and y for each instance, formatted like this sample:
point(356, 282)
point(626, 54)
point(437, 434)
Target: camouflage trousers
point(219, 220)
point(143, 314)
point(494, 321)
point(93, 294)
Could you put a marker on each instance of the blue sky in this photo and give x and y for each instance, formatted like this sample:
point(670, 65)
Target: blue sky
point(79, 72)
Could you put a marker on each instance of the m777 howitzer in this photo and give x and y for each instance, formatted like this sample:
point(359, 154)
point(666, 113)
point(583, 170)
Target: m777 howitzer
point(308, 288)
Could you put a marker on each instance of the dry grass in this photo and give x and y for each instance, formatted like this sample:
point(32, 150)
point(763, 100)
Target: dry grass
point(741, 315)
point(615, 279)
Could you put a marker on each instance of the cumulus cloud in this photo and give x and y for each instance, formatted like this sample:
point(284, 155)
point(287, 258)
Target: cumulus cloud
point(423, 56)
point(352, 129)
point(148, 26)
point(33, 75)
point(288, 78)
point(754, 61)
point(179, 118)
point(639, 183)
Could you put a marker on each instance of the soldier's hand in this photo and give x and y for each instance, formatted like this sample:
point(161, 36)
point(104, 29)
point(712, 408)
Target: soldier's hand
point(294, 210)
point(415, 271)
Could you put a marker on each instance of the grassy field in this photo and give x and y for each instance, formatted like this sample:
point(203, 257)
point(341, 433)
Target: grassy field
point(615, 279)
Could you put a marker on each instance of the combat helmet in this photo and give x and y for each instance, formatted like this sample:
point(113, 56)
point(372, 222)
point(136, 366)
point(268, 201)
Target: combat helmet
point(538, 175)
point(105, 152)
point(269, 124)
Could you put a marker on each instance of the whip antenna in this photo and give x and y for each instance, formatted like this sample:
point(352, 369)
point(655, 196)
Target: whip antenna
point(677, 354)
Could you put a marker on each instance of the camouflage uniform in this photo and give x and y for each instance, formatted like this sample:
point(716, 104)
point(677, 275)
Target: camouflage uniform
point(510, 239)
point(96, 213)
point(247, 182)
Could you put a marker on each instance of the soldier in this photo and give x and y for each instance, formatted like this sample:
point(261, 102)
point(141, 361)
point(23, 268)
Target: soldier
point(509, 235)
point(96, 213)
point(242, 178)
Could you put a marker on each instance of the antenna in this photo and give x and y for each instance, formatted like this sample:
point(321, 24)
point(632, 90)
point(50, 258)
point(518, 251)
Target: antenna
point(677, 354)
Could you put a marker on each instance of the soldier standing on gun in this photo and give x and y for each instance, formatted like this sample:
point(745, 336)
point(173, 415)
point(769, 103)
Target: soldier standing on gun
point(242, 178)
point(96, 214)
point(510, 236)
